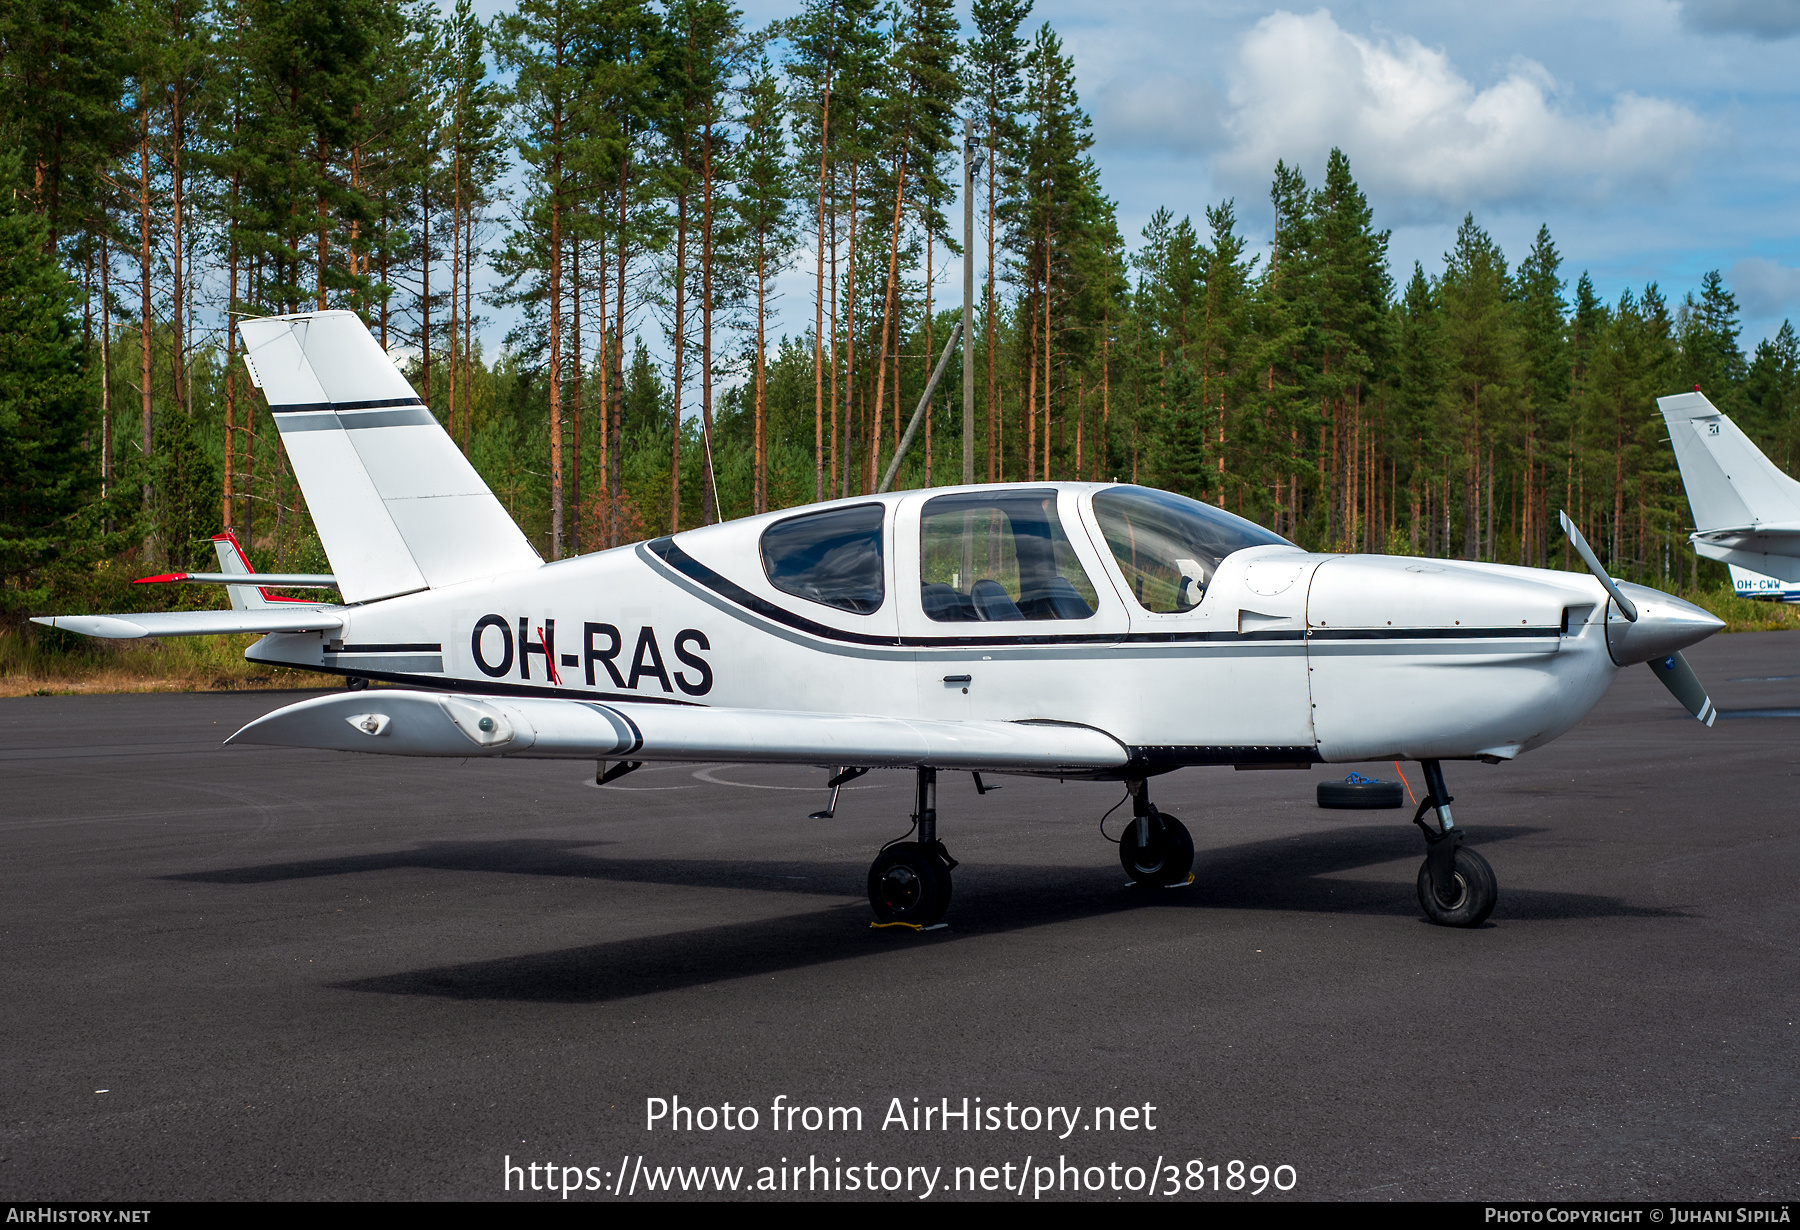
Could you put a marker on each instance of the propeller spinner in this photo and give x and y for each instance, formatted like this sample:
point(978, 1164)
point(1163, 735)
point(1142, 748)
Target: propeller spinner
point(1655, 628)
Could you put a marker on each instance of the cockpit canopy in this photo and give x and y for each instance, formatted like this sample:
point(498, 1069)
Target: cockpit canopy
point(999, 556)
point(1169, 546)
point(1003, 555)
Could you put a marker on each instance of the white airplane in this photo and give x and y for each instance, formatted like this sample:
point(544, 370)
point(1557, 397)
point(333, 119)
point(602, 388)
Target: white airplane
point(1746, 511)
point(1069, 630)
point(1748, 584)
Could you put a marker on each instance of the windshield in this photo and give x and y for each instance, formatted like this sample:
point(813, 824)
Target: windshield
point(1169, 546)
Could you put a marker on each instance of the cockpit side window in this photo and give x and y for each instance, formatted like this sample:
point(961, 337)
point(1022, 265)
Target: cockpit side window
point(999, 557)
point(1169, 546)
point(831, 557)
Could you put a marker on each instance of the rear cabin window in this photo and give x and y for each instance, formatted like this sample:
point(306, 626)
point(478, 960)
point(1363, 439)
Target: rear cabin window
point(833, 558)
point(999, 558)
point(1169, 546)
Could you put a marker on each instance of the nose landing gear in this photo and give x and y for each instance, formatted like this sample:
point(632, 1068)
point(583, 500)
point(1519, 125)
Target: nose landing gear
point(909, 882)
point(1156, 849)
point(1456, 885)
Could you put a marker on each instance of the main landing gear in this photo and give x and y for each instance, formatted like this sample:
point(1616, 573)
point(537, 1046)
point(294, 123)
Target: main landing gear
point(1156, 849)
point(909, 882)
point(1456, 885)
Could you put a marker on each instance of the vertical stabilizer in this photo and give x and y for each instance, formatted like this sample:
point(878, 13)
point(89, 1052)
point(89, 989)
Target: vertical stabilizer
point(1730, 483)
point(397, 506)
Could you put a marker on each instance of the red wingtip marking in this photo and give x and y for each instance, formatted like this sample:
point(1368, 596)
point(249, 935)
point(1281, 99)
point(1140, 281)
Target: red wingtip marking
point(167, 576)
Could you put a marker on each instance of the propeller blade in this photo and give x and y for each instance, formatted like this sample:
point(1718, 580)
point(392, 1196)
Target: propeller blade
point(1679, 678)
point(1587, 556)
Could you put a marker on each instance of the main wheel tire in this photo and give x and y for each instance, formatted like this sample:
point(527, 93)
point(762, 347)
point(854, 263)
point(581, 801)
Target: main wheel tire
point(1474, 892)
point(909, 883)
point(1167, 859)
point(1349, 796)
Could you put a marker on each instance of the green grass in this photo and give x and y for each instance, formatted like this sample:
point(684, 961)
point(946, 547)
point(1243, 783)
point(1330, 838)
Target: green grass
point(45, 662)
point(1745, 614)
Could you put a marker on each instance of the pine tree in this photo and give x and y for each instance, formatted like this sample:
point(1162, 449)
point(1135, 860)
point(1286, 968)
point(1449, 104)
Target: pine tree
point(995, 67)
point(1418, 379)
point(1286, 327)
point(546, 42)
point(697, 71)
point(1060, 208)
point(1221, 355)
point(1351, 286)
point(1544, 402)
point(1771, 395)
point(1481, 369)
point(765, 205)
point(1708, 331)
point(47, 475)
point(62, 70)
point(624, 94)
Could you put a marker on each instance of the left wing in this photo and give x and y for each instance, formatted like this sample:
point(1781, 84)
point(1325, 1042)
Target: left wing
point(396, 722)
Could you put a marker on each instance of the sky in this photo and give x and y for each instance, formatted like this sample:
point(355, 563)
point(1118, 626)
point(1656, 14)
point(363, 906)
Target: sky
point(1657, 139)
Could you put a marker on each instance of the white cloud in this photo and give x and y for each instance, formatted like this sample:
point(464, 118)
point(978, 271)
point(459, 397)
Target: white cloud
point(1426, 140)
point(1764, 289)
point(1757, 18)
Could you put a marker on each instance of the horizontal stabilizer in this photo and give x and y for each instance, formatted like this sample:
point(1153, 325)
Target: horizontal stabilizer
point(279, 580)
point(1774, 554)
point(294, 618)
point(397, 506)
point(406, 723)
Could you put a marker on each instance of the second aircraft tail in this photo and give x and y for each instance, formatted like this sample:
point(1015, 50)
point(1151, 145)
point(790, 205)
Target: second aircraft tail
point(1746, 511)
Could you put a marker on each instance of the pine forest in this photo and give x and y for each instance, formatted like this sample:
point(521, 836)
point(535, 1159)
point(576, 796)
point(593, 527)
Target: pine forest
point(641, 192)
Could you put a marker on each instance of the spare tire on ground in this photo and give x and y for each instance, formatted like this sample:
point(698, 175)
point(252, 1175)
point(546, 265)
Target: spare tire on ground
point(1357, 792)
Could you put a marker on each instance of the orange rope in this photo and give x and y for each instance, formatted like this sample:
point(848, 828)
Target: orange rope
point(1404, 782)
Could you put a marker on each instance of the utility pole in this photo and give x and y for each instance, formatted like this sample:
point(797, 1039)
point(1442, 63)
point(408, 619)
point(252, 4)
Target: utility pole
point(968, 318)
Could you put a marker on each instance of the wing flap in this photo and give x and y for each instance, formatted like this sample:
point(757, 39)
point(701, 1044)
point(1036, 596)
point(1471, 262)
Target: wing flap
point(406, 723)
point(195, 623)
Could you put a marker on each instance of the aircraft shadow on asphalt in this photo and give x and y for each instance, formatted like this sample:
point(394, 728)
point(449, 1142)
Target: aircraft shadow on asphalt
point(1298, 873)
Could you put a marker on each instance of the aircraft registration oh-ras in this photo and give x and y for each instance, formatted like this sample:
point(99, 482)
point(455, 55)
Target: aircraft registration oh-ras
point(1072, 630)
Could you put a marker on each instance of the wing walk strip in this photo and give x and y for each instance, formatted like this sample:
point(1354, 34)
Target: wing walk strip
point(667, 553)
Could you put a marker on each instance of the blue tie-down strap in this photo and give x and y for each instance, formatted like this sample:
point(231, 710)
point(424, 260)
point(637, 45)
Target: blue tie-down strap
point(1357, 779)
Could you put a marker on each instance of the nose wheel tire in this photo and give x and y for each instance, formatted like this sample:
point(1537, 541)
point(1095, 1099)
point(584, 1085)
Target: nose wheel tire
point(1469, 897)
point(910, 883)
point(1166, 859)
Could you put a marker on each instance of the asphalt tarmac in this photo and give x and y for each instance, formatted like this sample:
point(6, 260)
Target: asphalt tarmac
point(241, 973)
